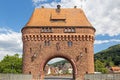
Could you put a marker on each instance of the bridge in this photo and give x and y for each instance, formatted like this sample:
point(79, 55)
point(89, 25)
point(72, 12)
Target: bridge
point(58, 78)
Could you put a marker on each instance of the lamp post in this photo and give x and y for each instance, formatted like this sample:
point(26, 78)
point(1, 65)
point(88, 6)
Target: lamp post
point(12, 67)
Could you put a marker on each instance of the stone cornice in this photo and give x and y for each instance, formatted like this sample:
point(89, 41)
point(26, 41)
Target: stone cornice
point(58, 37)
point(59, 27)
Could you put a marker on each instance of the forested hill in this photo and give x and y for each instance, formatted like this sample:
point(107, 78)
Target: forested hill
point(112, 54)
point(59, 63)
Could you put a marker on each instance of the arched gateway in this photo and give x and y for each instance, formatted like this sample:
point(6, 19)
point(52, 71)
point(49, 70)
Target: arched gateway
point(58, 33)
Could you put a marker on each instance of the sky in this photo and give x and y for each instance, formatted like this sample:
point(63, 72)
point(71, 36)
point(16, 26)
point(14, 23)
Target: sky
point(104, 15)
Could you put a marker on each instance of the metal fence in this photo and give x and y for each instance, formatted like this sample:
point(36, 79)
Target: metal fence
point(102, 77)
point(15, 77)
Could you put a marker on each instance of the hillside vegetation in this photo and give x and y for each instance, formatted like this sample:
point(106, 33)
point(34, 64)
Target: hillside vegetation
point(107, 58)
point(11, 64)
point(112, 54)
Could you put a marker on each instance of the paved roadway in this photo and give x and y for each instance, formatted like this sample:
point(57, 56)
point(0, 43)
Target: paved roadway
point(58, 78)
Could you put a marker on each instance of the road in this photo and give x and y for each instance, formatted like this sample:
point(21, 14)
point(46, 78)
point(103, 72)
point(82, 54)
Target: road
point(58, 78)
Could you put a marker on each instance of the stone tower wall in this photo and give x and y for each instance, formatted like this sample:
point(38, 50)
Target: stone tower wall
point(36, 53)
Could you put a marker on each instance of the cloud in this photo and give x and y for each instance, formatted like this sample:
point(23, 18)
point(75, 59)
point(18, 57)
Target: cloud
point(103, 14)
point(55, 60)
point(53, 3)
point(10, 42)
point(106, 41)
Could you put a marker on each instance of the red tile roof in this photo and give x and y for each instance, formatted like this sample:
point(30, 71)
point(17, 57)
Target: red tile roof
point(51, 17)
point(115, 68)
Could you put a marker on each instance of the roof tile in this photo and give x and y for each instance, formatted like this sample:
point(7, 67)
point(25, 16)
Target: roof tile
point(70, 17)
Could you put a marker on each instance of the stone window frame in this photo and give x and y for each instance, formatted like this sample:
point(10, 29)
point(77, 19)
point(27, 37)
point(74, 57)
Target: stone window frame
point(46, 30)
point(70, 43)
point(69, 30)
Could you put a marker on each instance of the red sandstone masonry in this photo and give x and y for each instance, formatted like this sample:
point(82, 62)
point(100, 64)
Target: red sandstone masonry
point(36, 54)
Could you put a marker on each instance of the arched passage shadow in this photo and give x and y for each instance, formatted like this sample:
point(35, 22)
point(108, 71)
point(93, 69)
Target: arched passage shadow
point(71, 61)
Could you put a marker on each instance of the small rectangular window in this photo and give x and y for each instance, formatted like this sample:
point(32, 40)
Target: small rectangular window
point(30, 50)
point(69, 30)
point(46, 30)
point(86, 50)
point(69, 43)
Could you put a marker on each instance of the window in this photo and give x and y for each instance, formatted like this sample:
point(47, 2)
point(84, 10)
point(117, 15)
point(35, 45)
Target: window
point(69, 43)
point(69, 30)
point(86, 50)
point(72, 29)
point(47, 43)
point(30, 50)
point(46, 30)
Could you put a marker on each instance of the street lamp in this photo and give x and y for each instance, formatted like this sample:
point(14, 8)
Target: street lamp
point(12, 67)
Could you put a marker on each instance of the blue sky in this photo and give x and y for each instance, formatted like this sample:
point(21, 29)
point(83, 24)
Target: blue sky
point(14, 14)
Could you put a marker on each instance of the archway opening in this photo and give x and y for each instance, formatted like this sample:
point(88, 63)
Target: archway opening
point(59, 68)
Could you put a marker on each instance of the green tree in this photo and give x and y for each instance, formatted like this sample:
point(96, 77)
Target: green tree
point(100, 67)
point(117, 60)
point(11, 64)
point(110, 57)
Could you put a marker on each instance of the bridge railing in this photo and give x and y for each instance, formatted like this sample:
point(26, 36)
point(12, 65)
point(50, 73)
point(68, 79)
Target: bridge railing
point(102, 77)
point(15, 77)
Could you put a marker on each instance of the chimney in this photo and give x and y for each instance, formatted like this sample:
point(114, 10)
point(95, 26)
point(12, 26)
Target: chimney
point(58, 8)
point(42, 6)
point(75, 7)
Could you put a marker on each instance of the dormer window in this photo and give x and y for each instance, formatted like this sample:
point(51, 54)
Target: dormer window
point(46, 30)
point(69, 30)
point(55, 17)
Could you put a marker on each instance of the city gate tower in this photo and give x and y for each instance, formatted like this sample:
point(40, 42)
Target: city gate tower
point(60, 32)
